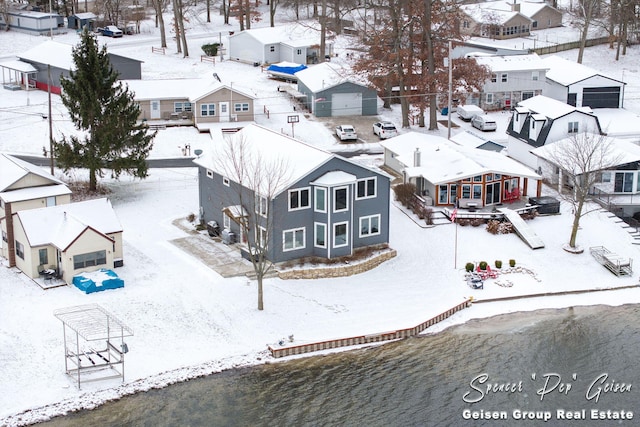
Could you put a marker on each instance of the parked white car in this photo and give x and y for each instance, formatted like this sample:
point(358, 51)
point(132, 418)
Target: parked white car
point(346, 132)
point(484, 123)
point(385, 130)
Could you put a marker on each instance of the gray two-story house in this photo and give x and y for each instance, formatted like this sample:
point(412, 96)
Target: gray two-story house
point(298, 200)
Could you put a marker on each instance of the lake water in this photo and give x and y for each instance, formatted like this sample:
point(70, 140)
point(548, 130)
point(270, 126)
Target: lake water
point(526, 367)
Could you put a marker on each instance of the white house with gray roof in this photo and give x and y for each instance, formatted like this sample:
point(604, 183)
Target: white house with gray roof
point(581, 86)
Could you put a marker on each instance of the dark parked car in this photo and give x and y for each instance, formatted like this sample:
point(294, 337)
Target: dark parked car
point(111, 31)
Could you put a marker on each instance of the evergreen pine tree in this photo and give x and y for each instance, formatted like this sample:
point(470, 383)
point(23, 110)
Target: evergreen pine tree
point(105, 111)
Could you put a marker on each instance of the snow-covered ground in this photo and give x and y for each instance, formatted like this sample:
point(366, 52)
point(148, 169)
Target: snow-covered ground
point(189, 321)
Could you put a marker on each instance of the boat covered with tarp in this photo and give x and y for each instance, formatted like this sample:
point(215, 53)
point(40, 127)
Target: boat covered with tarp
point(285, 70)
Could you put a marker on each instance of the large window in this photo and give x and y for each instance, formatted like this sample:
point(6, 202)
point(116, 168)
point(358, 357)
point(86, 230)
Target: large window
point(320, 199)
point(182, 107)
point(340, 199)
point(241, 107)
point(623, 182)
point(321, 235)
point(261, 205)
point(89, 260)
point(573, 127)
point(43, 256)
point(293, 239)
point(340, 237)
point(366, 188)
point(369, 225)
point(477, 191)
point(20, 249)
point(207, 110)
point(466, 191)
point(299, 199)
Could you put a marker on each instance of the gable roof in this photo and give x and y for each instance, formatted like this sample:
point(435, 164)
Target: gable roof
point(512, 62)
point(568, 72)
point(61, 225)
point(13, 169)
point(292, 35)
point(267, 147)
point(442, 161)
point(324, 76)
point(191, 89)
point(550, 107)
point(485, 13)
point(527, 8)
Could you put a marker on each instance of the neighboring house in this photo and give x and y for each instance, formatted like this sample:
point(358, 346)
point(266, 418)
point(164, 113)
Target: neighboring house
point(79, 21)
point(58, 57)
point(541, 120)
point(581, 86)
point(328, 207)
point(471, 139)
point(482, 20)
point(24, 186)
point(514, 78)
point(193, 101)
point(331, 91)
point(36, 23)
point(70, 239)
point(617, 188)
point(291, 43)
point(447, 174)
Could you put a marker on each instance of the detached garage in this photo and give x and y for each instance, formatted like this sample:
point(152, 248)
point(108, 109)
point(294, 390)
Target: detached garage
point(329, 92)
point(581, 86)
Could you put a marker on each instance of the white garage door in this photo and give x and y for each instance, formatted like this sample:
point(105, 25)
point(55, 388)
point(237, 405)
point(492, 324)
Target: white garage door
point(346, 104)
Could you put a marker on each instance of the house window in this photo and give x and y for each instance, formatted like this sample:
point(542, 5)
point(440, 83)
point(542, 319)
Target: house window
point(534, 24)
point(207, 110)
point(299, 52)
point(527, 95)
point(465, 24)
point(477, 191)
point(535, 75)
point(51, 201)
point(369, 225)
point(320, 235)
point(298, 199)
point(293, 239)
point(340, 237)
point(19, 249)
point(226, 221)
point(261, 237)
point(466, 191)
point(366, 188)
point(89, 260)
point(240, 107)
point(225, 181)
point(320, 199)
point(181, 107)
point(272, 48)
point(4, 236)
point(573, 127)
point(489, 177)
point(494, 78)
point(477, 178)
point(606, 177)
point(489, 99)
point(503, 77)
point(209, 174)
point(623, 182)
point(261, 205)
point(443, 195)
point(340, 199)
point(43, 256)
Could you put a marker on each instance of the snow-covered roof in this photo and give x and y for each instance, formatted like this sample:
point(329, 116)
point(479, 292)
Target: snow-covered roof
point(619, 151)
point(266, 147)
point(568, 72)
point(191, 89)
point(442, 161)
point(324, 75)
point(293, 35)
point(61, 225)
point(334, 178)
point(527, 8)
point(482, 12)
point(13, 169)
point(18, 66)
point(31, 193)
point(471, 139)
point(512, 62)
point(85, 15)
point(550, 107)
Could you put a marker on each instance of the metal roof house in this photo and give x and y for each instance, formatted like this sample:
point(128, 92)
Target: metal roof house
point(331, 91)
point(32, 22)
point(581, 86)
point(325, 206)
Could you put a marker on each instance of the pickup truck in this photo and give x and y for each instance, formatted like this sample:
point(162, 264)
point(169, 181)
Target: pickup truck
point(346, 132)
point(111, 31)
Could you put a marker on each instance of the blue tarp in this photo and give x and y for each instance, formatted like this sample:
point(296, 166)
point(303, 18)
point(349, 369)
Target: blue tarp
point(288, 68)
point(97, 281)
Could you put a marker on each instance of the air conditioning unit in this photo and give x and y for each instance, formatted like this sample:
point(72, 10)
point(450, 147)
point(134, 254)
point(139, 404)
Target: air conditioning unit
point(228, 237)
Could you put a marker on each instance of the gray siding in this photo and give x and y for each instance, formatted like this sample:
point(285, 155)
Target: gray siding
point(323, 108)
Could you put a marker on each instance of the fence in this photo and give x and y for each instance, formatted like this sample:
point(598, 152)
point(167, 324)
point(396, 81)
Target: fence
point(568, 46)
point(366, 339)
point(157, 50)
point(205, 58)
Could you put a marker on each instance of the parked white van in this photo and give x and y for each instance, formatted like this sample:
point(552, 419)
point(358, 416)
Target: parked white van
point(483, 122)
point(466, 112)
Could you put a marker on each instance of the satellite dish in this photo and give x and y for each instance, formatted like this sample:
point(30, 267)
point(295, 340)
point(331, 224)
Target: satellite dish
point(197, 152)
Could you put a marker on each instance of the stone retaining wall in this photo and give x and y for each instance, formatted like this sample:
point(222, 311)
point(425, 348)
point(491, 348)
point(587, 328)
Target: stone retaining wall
point(341, 270)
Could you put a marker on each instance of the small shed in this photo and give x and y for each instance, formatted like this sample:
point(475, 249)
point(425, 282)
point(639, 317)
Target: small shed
point(332, 91)
point(82, 20)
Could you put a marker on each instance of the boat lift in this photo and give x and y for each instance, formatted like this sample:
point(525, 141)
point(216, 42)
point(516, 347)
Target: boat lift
point(93, 343)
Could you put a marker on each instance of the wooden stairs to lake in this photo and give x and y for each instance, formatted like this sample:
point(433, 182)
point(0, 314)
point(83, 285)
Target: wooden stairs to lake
point(522, 229)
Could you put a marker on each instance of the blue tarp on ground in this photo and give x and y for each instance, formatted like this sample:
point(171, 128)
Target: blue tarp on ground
point(285, 69)
point(97, 281)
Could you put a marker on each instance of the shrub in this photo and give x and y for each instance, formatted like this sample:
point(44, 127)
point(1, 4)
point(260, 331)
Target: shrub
point(191, 217)
point(404, 193)
point(210, 49)
point(483, 265)
point(476, 222)
point(469, 266)
point(493, 226)
point(428, 215)
point(498, 263)
point(463, 221)
point(512, 263)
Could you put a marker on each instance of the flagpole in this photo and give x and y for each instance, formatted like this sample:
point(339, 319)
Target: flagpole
point(455, 250)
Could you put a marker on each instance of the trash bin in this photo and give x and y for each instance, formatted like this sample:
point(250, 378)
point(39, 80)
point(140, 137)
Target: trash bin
point(445, 111)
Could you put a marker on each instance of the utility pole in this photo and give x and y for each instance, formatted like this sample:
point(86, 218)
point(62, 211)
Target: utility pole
point(450, 95)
